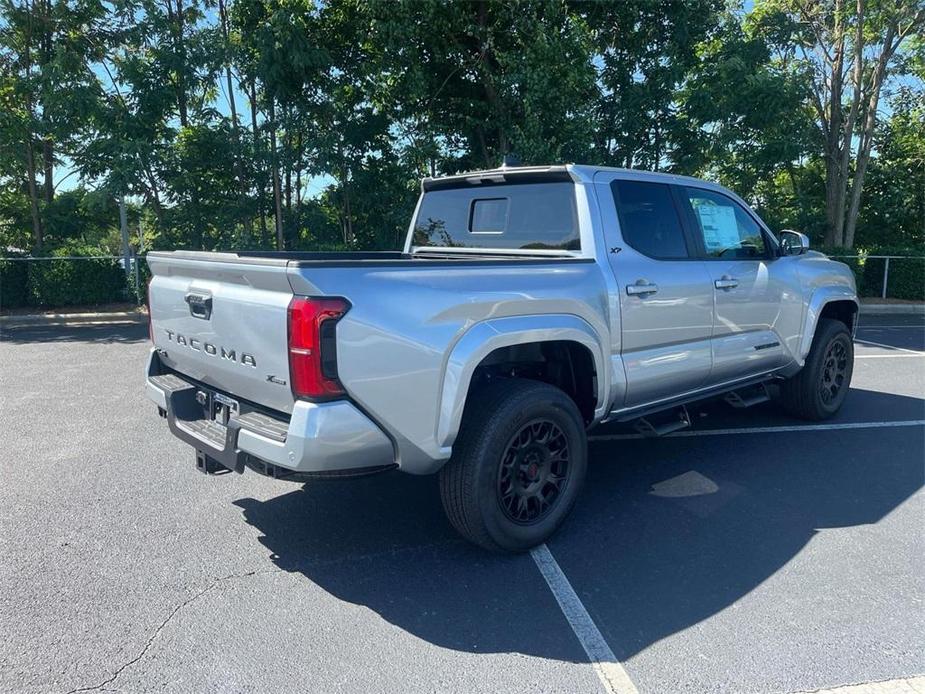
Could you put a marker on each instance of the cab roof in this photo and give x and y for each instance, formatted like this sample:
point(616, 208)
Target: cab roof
point(579, 173)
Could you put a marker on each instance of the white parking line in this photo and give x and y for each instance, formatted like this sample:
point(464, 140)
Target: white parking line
point(769, 430)
point(880, 344)
point(920, 326)
point(609, 670)
point(888, 356)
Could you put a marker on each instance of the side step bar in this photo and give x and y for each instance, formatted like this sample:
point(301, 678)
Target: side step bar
point(748, 397)
point(674, 421)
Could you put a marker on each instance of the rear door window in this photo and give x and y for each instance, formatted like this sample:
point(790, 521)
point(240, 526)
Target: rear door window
point(649, 219)
point(527, 216)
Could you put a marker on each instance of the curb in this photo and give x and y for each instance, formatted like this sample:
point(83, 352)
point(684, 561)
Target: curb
point(68, 319)
point(894, 309)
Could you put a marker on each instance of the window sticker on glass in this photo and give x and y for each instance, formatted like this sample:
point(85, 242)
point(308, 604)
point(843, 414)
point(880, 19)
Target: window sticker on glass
point(718, 222)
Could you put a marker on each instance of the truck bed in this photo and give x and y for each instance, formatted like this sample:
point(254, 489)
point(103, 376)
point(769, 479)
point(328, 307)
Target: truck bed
point(221, 318)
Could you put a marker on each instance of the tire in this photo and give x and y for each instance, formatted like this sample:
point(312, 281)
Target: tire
point(519, 439)
point(819, 389)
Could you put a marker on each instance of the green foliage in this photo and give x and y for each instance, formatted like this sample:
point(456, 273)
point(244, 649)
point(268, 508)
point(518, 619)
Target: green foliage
point(895, 191)
point(13, 280)
point(745, 112)
point(75, 282)
point(906, 278)
point(340, 106)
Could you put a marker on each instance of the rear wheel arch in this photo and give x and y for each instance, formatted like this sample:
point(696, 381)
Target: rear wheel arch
point(565, 364)
point(565, 346)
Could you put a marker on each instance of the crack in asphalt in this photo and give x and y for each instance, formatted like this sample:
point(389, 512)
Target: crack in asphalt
point(299, 568)
point(221, 579)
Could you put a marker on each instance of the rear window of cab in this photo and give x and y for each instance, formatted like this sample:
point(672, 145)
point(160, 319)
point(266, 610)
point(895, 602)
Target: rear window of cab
point(525, 216)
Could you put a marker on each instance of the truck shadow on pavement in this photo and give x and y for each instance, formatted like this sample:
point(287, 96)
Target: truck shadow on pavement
point(122, 333)
point(667, 533)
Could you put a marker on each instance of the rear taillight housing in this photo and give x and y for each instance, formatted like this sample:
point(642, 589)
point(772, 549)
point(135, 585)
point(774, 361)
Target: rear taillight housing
point(313, 347)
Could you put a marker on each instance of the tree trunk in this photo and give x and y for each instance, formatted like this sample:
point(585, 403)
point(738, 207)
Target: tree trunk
point(232, 104)
point(177, 21)
point(857, 80)
point(480, 133)
point(37, 230)
point(48, 162)
point(287, 144)
point(277, 198)
point(348, 213)
point(486, 68)
point(345, 193)
point(298, 176)
point(867, 136)
point(834, 191)
point(261, 189)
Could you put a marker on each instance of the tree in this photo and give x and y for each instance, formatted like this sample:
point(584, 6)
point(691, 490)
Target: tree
point(318, 117)
point(466, 83)
point(741, 113)
point(895, 213)
point(848, 50)
point(46, 51)
point(644, 52)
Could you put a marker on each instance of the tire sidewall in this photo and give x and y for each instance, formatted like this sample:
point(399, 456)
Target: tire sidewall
point(555, 406)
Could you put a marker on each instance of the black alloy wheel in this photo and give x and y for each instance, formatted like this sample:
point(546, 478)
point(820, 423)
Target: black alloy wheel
point(534, 470)
point(834, 372)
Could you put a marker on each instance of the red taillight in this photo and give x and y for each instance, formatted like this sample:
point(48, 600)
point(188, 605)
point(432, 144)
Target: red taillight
point(312, 346)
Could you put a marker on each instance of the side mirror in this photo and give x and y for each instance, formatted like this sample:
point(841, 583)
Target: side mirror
point(793, 242)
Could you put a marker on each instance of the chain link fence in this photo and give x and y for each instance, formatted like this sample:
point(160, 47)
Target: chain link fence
point(887, 276)
point(45, 282)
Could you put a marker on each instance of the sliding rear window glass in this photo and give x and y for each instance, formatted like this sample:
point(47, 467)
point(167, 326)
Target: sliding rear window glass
point(528, 216)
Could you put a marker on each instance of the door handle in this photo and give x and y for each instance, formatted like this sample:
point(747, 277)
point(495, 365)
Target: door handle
point(640, 288)
point(726, 283)
point(200, 305)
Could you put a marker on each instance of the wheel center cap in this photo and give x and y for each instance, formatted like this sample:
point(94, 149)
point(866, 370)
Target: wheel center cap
point(530, 467)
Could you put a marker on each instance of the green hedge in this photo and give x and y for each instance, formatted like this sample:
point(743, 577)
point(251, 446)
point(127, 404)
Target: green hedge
point(74, 279)
point(70, 282)
point(50, 283)
point(906, 277)
point(144, 277)
point(13, 281)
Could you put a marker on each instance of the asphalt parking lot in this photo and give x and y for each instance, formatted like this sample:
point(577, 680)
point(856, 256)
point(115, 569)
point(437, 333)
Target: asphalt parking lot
point(752, 553)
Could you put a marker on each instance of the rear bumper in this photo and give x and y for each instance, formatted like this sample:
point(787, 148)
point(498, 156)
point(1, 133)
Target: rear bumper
point(318, 438)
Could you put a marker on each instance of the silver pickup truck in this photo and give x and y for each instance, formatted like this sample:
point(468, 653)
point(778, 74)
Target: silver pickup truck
point(529, 305)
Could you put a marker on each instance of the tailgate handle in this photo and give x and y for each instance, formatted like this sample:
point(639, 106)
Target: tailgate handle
point(200, 305)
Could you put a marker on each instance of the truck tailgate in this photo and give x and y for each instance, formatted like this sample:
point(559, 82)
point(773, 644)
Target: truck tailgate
point(222, 319)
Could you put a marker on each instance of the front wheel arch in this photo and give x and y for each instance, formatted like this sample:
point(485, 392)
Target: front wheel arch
point(828, 303)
